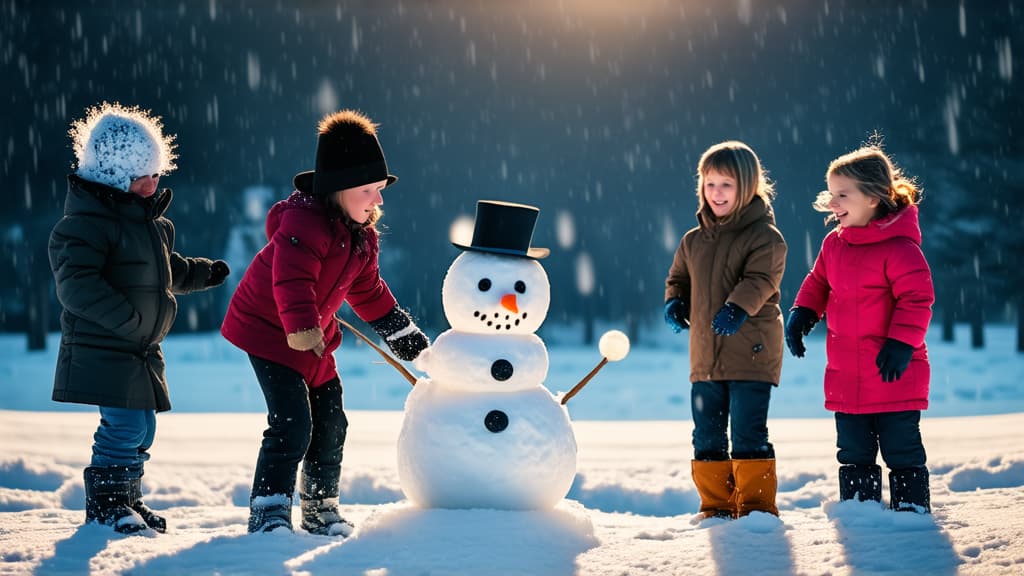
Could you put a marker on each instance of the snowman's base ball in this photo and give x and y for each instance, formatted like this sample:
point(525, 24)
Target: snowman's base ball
point(447, 459)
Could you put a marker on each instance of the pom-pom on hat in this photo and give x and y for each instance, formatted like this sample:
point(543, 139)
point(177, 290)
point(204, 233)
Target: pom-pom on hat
point(115, 144)
point(347, 155)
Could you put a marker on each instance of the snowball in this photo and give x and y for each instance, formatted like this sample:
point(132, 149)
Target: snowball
point(614, 345)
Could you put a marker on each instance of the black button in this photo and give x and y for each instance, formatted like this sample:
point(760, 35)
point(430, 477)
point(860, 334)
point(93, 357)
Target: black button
point(758, 347)
point(501, 370)
point(496, 421)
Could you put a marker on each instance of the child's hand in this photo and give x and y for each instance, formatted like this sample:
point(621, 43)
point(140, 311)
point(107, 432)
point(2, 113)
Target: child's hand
point(893, 360)
point(677, 314)
point(800, 323)
point(218, 272)
point(408, 347)
point(402, 336)
point(311, 340)
point(729, 319)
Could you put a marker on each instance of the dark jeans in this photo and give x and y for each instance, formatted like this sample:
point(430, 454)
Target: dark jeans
point(303, 424)
point(123, 437)
point(712, 403)
point(898, 434)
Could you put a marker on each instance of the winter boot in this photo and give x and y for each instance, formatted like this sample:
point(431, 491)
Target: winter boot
point(270, 501)
point(268, 513)
point(318, 501)
point(909, 490)
point(153, 520)
point(756, 486)
point(714, 481)
point(860, 481)
point(108, 499)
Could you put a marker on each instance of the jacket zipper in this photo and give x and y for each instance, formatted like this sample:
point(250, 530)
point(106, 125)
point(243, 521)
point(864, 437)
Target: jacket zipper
point(158, 249)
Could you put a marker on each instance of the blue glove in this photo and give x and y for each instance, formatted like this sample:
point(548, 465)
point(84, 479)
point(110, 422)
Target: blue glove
point(800, 323)
point(677, 314)
point(729, 319)
point(893, 360)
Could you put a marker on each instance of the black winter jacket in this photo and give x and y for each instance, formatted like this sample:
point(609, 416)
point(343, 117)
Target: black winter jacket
point(113, 259)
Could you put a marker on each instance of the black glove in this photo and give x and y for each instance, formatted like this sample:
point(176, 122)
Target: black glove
point(218, 272)
point(893, 360)
point(729, 319)
point(800, 323)
point(677, 314)
point(402, 336)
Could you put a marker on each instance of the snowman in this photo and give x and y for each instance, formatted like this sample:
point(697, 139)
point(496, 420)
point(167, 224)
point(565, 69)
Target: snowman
point(481, 430)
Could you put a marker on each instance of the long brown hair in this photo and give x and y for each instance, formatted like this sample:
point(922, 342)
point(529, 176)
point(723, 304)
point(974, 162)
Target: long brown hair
point(738, 161)
point(876, 175)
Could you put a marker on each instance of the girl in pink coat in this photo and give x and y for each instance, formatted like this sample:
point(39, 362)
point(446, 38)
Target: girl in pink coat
point(872, 283)
point(321, 252)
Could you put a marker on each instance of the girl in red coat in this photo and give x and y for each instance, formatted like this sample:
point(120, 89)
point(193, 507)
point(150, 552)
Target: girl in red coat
point(321, 252)
point(873, 284)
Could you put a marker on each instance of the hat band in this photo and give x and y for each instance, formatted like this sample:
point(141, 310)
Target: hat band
point(330, 181)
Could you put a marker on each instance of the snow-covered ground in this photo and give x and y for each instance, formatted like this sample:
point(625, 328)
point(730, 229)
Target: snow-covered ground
point(629, 511)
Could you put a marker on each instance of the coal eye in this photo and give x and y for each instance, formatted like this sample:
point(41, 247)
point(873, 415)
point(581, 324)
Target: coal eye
point(520, 286)
point(484, 285)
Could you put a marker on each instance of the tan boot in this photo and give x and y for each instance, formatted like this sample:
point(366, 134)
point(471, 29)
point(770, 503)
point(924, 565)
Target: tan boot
point(756, 485)
point(715, 485)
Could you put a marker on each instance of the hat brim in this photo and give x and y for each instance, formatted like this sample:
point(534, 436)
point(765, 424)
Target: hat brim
point(532, 253)
point(303, 181)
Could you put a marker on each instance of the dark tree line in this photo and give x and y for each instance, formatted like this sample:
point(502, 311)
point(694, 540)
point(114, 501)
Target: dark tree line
point(597, 112)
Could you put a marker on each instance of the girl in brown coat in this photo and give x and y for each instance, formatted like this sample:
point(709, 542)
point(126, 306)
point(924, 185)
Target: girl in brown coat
point(724, 286)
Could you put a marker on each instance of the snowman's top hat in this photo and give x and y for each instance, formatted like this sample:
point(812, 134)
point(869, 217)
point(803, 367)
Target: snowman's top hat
point(505, 228)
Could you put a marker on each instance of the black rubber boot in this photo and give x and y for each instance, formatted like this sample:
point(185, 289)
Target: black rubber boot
point(318, 501)
point(108, 498)
point(860, 481)
point(268, 513)
point(909, 490)
point(273, 487)
point(152, 519)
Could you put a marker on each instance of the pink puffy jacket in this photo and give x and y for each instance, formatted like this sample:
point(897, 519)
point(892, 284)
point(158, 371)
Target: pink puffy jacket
point(872, 283)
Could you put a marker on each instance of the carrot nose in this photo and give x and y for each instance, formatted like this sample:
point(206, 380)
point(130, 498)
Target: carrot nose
point(508, 301)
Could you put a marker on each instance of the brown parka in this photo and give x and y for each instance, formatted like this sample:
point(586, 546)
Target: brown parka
point(740, 261)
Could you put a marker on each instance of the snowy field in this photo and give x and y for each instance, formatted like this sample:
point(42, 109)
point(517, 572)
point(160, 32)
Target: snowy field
point(629, 511)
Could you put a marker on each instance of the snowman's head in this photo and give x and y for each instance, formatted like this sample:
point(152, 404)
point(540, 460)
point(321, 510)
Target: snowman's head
point(493, 293)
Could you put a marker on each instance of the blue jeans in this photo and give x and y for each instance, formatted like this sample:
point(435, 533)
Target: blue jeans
point(897, 435)
point(123, 437)
point(713, 403)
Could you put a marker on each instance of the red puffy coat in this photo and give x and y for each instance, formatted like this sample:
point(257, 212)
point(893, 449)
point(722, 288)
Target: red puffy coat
point(297, 282)
point(872, 283)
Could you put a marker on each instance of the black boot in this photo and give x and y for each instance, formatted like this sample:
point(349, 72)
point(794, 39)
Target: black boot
point(860, 481)
point(273, 487)
point(268, 513)
point(152, 519)
point(909, 490)
point(108, 498)
point(318, 501)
